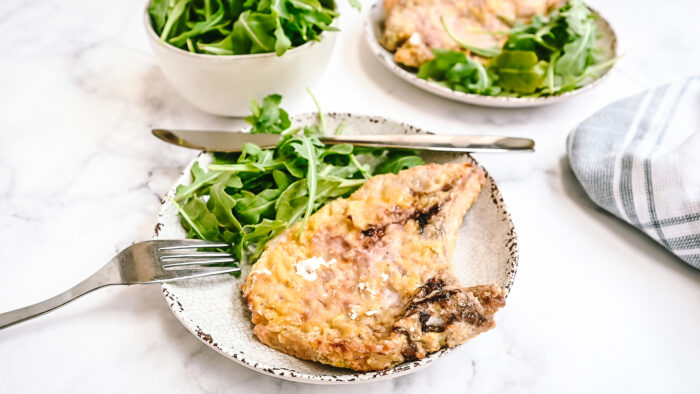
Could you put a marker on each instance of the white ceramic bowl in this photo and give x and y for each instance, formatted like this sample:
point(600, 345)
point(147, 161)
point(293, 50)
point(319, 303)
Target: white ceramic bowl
point(225, 84)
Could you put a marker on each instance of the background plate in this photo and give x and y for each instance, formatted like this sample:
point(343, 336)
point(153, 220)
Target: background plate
point(607, 42)
point(213, 310)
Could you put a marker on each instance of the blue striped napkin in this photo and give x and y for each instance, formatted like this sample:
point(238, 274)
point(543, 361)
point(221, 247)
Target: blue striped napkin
point(639, 159)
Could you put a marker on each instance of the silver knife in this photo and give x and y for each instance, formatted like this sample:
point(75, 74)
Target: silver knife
point(233, 141)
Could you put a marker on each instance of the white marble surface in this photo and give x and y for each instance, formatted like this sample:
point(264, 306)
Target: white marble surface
point(596, 307)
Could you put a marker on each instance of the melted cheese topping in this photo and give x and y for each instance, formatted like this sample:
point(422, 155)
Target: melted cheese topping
point(307, 268)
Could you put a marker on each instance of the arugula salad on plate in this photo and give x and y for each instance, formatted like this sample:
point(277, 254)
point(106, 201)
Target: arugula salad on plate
point(486, 53)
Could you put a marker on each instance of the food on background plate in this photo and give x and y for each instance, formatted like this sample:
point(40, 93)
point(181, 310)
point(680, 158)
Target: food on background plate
point(489, 50)
point(247, 198)
point(223, 27)
point(414, 27)
point(367, 282)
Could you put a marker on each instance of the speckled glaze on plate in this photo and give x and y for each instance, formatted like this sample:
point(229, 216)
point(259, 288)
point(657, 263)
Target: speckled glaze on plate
point(213, 309)
point(607, 42)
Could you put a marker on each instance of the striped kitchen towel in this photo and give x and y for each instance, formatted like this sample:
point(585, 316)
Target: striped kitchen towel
point(639, 159)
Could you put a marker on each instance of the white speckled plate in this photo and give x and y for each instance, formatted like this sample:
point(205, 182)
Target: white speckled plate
point(607, 42)
point(212, 308)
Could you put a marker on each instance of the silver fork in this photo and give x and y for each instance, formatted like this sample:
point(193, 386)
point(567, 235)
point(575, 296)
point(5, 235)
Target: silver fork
point(155, 261)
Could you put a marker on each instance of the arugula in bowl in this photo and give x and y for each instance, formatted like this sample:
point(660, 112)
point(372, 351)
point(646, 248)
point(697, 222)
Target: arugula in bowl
point(548, 56)
point(238, 27)
point(248, 198)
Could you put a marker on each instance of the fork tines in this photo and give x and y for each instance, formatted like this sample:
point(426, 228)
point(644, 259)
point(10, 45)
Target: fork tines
point(189, 244)
point(178, 254)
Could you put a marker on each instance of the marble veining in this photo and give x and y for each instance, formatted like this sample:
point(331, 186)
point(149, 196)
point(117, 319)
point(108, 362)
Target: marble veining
point(596, 307)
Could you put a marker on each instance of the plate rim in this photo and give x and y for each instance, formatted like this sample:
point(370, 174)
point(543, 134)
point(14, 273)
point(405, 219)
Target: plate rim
point(357, 377)
point(386, 58)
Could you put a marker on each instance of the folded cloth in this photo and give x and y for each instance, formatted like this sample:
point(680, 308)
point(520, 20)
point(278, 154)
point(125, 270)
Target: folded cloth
point(639, 159)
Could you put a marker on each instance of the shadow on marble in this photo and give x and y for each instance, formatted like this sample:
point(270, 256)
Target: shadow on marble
point(627, 233)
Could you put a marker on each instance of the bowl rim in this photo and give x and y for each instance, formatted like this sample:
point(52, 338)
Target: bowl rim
point(153, 36)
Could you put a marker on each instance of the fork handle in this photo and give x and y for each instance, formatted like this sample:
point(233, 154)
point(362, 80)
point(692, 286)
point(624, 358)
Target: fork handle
point(107, 275)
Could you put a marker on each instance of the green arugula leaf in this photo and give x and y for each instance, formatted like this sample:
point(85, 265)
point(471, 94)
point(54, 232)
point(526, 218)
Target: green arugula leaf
point(234, 182)
point(253, 33)
point(251, 208)
point(255, 236)
point(189, 224)
point(158, 11)
point(281, 179)
point(364, 169)
point(268, 118)
point(221, 205)
point(576, 54)
point(283, 42)
point(201, 220)
point(201, 27)
point(331, 187)
point(236, 168)
point(223, 47)
point(307, 150)
point(520, 71)
point(294, 168)
point(250, 149)
point(398, 163)
point(200, 179)
point(458, 72)
point(172, 17)
point(292, 202)
point(280, 7)
point(577, 16)
point(347, 171)
point(321, 116)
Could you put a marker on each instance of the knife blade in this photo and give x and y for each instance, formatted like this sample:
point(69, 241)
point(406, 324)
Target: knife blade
point(233, 141)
